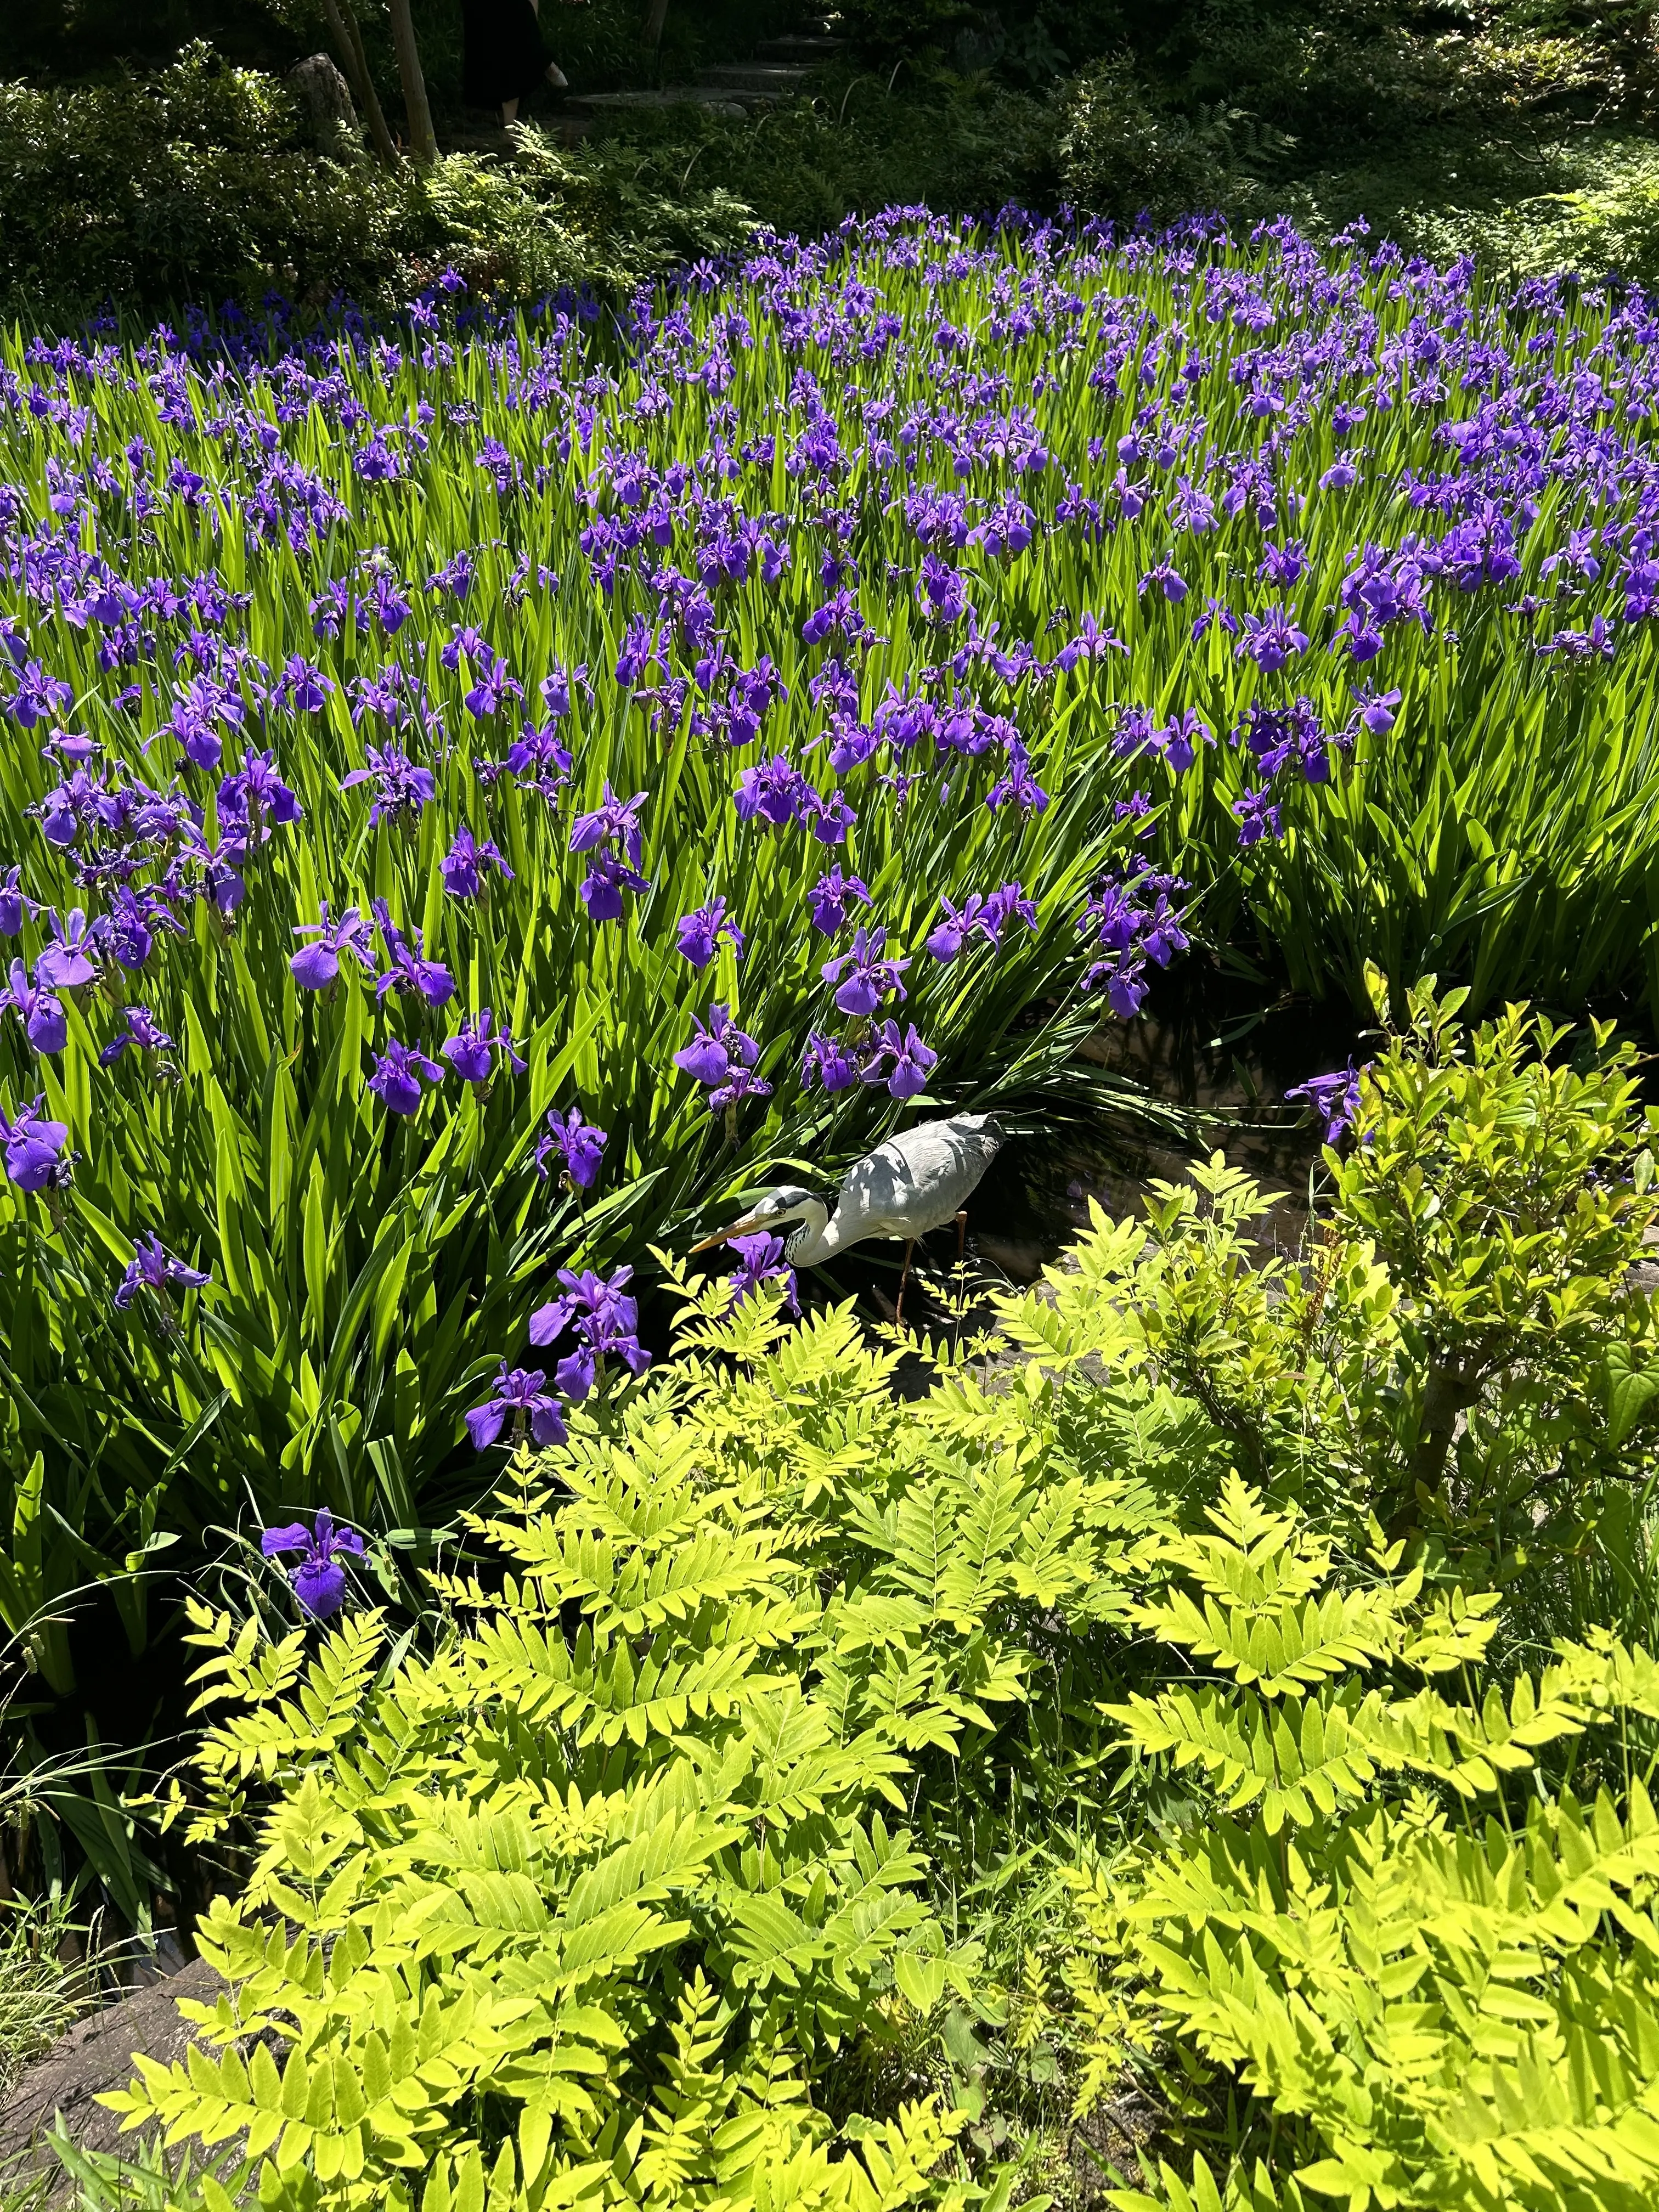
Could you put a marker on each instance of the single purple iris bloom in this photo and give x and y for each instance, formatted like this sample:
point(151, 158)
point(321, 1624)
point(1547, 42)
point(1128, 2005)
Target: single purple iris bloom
point(700, 933)
point(763, 1262)
point(13, 904)
point(1376, 710)
point(256, 795)
point(613, 821)
point(601, 888)
point(140, 1032)
point(409, 972)
point(829, 1062)
point(714, 1051)
point(471, 1051)
point(1333, 1099)
point(1169, 577)
point(315, 965)
point(830, 897)
point(153, 1267)
point(400, 786)
point(580, 1143)
point(463, 865)
point(1271, 639)
point(518, 1391)
point(395, 1079)
point(64, 964)
point(33, 1148)
point(318, 1581)
point(868, 977)
point(39, 1010)
point(947, 938)
point(910, 1059)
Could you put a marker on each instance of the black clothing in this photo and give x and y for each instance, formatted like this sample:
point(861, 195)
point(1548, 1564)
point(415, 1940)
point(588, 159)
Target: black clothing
point(503, 56)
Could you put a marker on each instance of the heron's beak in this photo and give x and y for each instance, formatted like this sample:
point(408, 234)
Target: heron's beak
point(737, 1229)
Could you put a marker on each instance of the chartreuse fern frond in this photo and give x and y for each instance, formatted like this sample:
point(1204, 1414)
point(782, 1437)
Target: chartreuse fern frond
point(562, 1911)
point(1436, 2014)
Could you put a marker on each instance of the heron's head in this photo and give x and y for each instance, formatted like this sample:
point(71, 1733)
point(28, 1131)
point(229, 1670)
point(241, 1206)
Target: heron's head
point(790, 1201)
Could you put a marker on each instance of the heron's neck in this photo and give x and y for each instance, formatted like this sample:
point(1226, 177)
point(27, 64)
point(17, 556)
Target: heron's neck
point(816, 1238)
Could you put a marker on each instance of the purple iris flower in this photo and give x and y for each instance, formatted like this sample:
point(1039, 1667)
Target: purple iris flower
point(774, 791)
point(700, 933)
point(605, 1320)
point(762, 1261)
point(1019, 785)
point(868, 978)
point(139, 1032)
point(1173, 583)
point(319, 1580)
point(1333, 1099)
point(409, 972)
point(519, 1392)
point(64, 965)
point(396, 1076)
point(613, 821)
point(580, 1143)
point(39, 1010)
point(127, 931)
point(33, 1148)
point(1377, 709)
point(315, 965)
point(741, 1083)
point(828, 818)
point(401, 788)
point(13, 904)
point(1271, 639)
point(471, 1052)
point(830, 896)
point(602, 887)
point(463, 865)
point(1258, 818)
point(714, 1051)
point(153, 1267)
point(1092, 643)
point(827, 1060)
point(305, 687)
point(898, 1058)
point(256, 795)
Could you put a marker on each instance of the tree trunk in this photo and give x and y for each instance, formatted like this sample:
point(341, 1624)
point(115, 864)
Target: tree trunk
point(349, 39)
point(422, 143)
point(655, 15)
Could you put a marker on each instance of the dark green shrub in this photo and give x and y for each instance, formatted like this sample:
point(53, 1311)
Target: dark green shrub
point(194, 183)
point(1121, 153)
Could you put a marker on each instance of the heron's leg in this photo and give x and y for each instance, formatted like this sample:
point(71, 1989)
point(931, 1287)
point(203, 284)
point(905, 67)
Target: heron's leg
point(961, 1276)
point(904, 1277)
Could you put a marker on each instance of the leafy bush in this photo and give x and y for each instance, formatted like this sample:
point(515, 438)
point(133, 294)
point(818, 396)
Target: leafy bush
point(656, 1861)
point(1123, 154)
point(194, 182)
point(197, 183)
point(1424, 1964)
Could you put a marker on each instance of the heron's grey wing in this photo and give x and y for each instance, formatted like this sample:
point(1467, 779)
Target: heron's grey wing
point(917, 1181)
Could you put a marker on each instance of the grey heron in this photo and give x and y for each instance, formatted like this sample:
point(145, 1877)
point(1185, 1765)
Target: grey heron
point(917, 1181)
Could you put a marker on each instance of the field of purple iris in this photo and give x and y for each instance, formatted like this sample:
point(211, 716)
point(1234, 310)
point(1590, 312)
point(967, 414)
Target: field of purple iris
point(474, 794)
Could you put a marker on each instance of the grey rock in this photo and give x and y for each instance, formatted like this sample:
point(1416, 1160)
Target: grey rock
point(95, 2055)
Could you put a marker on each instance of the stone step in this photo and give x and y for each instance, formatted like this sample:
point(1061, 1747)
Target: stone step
point(714, 99)
point(755, 80)
point(803, 50)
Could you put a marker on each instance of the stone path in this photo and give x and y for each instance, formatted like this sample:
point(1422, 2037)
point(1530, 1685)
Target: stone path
point(96, 2055)
point(780, 69)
